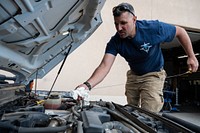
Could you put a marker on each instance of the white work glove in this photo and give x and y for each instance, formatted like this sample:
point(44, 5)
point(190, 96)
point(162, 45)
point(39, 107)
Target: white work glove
point(82, 93)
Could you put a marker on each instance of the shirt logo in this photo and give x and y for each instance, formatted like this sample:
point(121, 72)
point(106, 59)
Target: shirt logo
point(145, 47)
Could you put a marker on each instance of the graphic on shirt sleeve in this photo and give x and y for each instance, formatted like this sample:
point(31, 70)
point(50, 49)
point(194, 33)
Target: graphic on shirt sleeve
point(145, 47)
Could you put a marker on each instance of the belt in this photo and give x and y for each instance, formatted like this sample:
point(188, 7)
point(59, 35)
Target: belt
point(161, 69)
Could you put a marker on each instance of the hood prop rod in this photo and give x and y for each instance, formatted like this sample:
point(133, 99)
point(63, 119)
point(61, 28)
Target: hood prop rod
point(60, 69)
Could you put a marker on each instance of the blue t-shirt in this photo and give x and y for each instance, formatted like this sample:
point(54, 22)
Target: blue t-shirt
point(143, 52)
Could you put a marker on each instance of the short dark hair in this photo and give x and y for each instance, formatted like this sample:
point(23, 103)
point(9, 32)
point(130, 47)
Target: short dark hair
point(123, 7)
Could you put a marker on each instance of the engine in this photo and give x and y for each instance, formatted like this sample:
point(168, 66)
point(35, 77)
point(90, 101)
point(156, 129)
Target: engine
point(60, 113)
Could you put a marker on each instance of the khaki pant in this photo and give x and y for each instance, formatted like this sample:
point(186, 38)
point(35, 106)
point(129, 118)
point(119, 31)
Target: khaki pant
point(146, 91)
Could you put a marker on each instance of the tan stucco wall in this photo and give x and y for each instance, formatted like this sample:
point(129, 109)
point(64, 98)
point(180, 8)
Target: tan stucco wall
point(82, 62)
point(180, 12)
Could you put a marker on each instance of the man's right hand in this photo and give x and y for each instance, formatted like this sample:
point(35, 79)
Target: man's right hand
point(80, 93)
point(85, 86)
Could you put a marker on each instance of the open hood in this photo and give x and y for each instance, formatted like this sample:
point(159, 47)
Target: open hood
point(35, 35)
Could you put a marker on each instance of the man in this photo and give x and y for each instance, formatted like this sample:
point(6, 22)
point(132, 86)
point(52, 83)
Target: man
point(138, 41)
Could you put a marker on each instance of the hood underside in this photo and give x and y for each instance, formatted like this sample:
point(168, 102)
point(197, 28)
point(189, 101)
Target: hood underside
point(36, 35)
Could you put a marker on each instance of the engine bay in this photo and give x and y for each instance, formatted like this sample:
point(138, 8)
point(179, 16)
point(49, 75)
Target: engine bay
point(33, 112)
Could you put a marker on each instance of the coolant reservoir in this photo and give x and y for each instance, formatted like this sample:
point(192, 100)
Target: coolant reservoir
point(53, 102)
